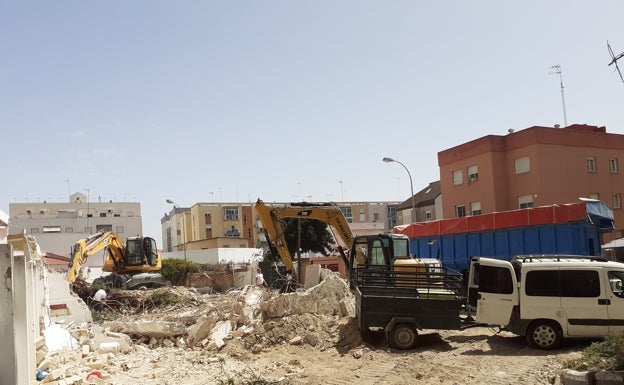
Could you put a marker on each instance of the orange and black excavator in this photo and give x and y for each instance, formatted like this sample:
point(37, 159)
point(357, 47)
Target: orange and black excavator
point(383, 249)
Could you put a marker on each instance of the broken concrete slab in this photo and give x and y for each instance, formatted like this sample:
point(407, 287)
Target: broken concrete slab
point(323, 299)
point(148, 328)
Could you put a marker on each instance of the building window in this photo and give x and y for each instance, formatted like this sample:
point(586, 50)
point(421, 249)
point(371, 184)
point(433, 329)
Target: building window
point(119, 229)
point(51, 229)
point(458, 177)
point(523, 165)
point(473, 173)
point(362, 216)
point(232, 232)
point(231, 213)
point(617, 201)
point(613, 165)
point(348, 214)
point(591, 164)
point(88, 230)
point(460, 211)
point(428, 215)
point(103, 228)
point(375, 217)
point(475, 208)
point(34, 230)
point(117, 215)
point(102, 215)
point(392, 216)
point(525, 201)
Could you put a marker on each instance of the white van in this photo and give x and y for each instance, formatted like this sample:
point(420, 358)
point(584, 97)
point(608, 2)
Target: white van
point(549, 297)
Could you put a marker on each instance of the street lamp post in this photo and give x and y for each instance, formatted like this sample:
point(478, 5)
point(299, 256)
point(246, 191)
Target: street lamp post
point(390, 160)
point(175, 205)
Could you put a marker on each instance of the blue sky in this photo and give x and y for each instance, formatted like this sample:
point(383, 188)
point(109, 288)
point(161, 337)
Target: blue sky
point(202, 101)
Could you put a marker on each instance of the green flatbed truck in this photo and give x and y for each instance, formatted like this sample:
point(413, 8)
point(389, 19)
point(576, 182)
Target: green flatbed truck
point(401, 302)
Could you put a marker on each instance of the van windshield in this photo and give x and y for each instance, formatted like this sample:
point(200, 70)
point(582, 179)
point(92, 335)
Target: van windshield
point(616, 282)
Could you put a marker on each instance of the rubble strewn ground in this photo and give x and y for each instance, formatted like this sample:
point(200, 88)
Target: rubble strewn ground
point(255, 336)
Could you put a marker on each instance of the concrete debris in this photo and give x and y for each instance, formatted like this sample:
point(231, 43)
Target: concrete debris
point(326, 298)
point(220, 332)
point(57, 338)
point(148, 328)
point(200, 330)
point(253, 317)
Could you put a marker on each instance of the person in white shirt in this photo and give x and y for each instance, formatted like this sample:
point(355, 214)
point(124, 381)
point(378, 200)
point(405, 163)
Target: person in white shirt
point(260, 278)
point(98, 299)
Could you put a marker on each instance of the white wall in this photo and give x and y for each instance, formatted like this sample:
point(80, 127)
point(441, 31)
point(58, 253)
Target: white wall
point(219, 255)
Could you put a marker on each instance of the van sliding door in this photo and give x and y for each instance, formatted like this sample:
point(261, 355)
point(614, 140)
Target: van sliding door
point(584, 302)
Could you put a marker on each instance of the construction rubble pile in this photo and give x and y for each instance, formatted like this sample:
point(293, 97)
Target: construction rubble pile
point(146, 333)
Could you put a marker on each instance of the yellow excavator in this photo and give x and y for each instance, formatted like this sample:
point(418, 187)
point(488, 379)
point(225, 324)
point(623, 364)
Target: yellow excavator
point(383, 250)
point(133, 264)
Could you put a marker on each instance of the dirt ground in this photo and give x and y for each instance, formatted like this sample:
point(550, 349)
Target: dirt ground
point(305, 338)
point(474, 356)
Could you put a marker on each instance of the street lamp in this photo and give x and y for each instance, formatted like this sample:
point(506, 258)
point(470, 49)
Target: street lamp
point(390, 160)
point(175, 205)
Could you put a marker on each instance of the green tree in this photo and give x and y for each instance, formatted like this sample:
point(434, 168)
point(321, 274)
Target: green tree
point(315, 237)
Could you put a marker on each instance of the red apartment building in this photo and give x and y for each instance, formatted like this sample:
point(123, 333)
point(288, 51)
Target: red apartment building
point(533, 167)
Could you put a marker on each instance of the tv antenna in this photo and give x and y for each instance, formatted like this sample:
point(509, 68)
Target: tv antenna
point(614, 60)
point(556, 69)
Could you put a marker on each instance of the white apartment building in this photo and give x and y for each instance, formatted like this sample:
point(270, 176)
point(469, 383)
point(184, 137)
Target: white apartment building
point(57, 226)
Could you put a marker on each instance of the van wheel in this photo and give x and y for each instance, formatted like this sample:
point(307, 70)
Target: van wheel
point(403, 336)
point(544, 335)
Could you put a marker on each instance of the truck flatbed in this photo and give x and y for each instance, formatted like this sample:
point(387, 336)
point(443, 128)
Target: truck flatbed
point(403, 301)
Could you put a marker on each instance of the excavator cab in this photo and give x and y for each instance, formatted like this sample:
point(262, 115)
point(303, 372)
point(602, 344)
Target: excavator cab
point(141, 251)
point(379, 249)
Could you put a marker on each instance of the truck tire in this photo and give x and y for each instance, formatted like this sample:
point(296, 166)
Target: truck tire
point(403, 336)
point(544, 334)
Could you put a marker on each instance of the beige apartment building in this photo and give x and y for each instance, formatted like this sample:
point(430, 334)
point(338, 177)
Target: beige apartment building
point(236, 225)
point(58, 225)
point(533, 167)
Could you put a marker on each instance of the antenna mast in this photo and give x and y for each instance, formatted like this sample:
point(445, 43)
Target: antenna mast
point(557, 70)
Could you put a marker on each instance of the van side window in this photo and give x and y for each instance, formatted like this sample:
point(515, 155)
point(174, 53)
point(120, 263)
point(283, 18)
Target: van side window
point(580, 283)
point(563, 283)
point(542, 283)
point(495, 280)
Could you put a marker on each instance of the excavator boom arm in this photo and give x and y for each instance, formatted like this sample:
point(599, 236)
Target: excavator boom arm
point(272, 219)
point(86, 247)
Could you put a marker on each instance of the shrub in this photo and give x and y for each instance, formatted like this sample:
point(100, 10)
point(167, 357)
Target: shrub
point(607, 354)
point(176, 270)
point(165, 297)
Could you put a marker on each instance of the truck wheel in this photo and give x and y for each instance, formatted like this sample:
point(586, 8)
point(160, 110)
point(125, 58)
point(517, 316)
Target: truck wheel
point(544, 334)
point(403, 336)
